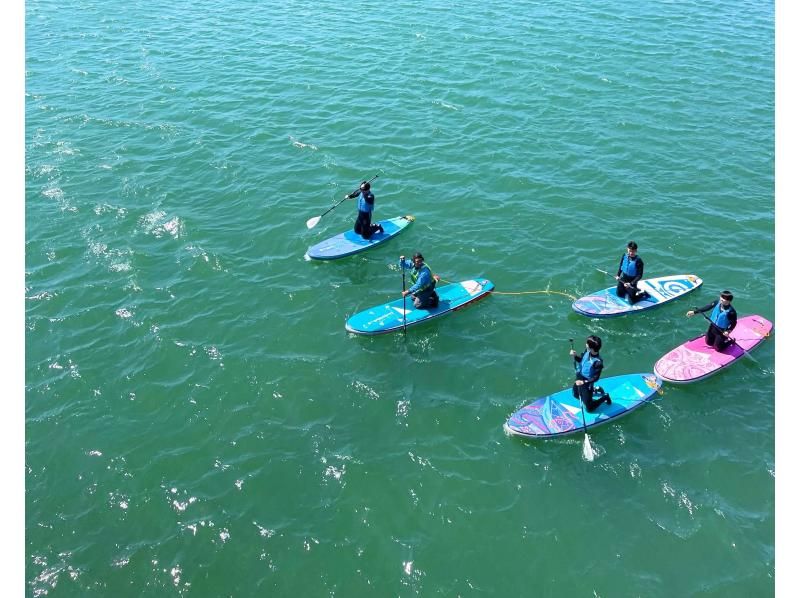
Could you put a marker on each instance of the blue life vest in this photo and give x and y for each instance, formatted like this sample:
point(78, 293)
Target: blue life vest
point(363, 206)
point(628, 266)
point(720, 316)
point(584, 368)
point(415, 275)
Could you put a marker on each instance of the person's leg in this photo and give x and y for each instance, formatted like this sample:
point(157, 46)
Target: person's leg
point(424, 301)
point(620, 288)
point(711, 335)
point(366, 226)
point(359, 227)
point(721, 342)
point(586, 391)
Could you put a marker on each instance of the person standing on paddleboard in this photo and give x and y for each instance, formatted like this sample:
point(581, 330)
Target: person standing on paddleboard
point(722, 320)
point(366, 203)
point(587, 371)
point(423, 282)
point(629, 273)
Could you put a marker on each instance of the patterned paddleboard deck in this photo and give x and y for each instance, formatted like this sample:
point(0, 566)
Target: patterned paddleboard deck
point(559, 414)
point(694, 360)
point(606, 304)
point(388, 317)
point(349, 242)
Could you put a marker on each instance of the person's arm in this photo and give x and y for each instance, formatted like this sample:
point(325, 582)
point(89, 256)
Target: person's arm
point(732, 318)
point(619, 268)
point(597, 367)
point(639, 271)
point(423, 280)
point(700, 310)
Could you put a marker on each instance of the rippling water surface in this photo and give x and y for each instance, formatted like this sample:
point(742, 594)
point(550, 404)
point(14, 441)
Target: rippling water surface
point(199, 423)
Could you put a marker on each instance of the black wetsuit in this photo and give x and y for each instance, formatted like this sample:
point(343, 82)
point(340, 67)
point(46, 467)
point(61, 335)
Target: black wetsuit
point(363, 225)
point(630, 292)
point(585, 391)
point(714, 336)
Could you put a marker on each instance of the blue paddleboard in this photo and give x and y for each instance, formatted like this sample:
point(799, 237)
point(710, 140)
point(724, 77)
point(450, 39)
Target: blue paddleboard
point(350, 242)
point(661, 290)
point(559, 414)
point(389, 316)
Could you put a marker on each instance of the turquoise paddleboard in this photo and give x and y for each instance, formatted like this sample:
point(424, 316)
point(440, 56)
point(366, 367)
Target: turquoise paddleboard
point(350, 242)
point(559, 414)
point(389, 316)
point(661, 290)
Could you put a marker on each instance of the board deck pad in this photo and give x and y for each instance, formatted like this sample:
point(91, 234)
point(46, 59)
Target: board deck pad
point(388, 317)
point(661, 290)
point(694, 360)
point(350, 242)
point(559, 414)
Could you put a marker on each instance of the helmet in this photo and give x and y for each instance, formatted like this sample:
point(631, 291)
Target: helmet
point(364, 186)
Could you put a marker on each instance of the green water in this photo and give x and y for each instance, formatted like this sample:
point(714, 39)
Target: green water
point(197, 420)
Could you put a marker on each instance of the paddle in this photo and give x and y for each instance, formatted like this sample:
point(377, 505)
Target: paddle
point(312, 222)
point(639, 293)
point(746, 354)
point(588, 452)
point(403, 268)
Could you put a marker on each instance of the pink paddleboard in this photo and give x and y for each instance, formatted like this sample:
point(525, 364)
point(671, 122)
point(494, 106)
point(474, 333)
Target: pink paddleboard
point(694, 360)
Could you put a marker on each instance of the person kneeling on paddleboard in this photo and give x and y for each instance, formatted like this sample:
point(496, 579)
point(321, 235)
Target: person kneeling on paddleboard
point(587, 371)
point(721, 323)
point(423, 282)
point(629, 273)
point(366, 203)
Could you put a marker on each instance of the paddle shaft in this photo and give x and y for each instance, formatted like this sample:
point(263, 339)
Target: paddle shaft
point(359, 187)
point(348, 196)
point(580, 400)
point(312, 222)
point(402, 267)
point(332, 207)
point(610, 274)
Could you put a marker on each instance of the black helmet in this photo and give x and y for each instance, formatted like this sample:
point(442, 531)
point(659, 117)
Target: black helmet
point(365, 186)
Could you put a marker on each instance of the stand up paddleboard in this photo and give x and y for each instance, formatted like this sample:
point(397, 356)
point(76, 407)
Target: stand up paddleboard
point(389, 316)
point(661, 290)
point(694, 360)
point(351, 242)
point(559, 414)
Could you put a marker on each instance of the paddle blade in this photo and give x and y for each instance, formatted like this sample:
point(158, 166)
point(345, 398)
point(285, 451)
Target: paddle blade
point(588, 451)
point(312, 222)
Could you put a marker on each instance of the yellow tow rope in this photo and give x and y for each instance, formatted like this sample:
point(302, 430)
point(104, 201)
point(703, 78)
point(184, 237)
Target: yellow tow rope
point(546, 292)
